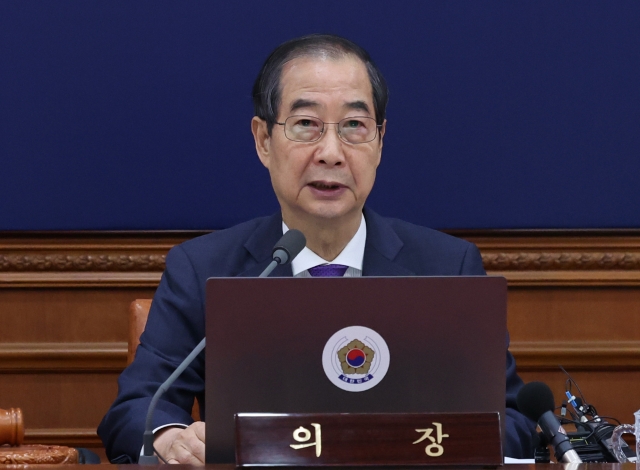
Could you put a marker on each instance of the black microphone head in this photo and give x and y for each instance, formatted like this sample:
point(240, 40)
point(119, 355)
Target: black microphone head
point(535, 399)
point(291, 243)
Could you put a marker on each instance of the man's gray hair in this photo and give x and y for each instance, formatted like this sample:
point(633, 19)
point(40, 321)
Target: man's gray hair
point(267, 90)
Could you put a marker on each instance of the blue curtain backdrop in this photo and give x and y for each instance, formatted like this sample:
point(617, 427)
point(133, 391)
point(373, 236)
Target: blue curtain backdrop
point(135, 114)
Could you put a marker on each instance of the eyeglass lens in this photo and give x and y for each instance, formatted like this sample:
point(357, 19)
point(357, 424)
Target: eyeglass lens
point(355, 130)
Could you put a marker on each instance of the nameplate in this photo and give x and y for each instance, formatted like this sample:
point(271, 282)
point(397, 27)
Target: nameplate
point(374, 439)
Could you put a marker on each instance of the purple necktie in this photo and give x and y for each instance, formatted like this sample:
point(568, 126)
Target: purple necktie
point(328, 270)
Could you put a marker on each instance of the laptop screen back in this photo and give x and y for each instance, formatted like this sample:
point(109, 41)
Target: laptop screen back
point(286, 345)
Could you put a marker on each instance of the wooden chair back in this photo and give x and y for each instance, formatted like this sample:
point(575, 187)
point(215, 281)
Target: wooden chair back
point(138, 313)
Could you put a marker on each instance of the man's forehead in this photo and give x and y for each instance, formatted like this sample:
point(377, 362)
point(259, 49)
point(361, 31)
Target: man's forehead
point(307, 82)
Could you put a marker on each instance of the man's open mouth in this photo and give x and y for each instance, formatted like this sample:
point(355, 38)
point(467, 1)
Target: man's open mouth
point(325, 186)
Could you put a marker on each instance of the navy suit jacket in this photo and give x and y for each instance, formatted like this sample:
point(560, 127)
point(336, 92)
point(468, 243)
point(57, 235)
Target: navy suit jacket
point(176, 319)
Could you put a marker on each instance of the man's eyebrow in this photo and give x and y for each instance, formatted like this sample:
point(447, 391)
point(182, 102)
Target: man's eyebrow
point(302, 103)
point(359, 105)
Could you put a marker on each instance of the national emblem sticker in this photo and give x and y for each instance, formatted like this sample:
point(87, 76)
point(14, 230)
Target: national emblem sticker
point(355, 359)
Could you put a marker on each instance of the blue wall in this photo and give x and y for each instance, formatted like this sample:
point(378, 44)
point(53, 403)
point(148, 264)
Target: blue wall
point(135, 114)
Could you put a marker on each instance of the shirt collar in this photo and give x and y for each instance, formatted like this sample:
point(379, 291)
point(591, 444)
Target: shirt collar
point(352, 255)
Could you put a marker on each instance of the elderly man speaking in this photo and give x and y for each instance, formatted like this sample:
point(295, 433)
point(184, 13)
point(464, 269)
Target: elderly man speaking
point(319, 128)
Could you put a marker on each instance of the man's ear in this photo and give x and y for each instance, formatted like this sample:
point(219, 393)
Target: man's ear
point(382, 131)
point(262, 139)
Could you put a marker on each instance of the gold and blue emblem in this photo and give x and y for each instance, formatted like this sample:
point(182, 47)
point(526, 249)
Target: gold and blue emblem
point(356, 358)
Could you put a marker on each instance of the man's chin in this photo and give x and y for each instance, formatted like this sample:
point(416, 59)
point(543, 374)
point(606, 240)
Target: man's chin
point(330, 212)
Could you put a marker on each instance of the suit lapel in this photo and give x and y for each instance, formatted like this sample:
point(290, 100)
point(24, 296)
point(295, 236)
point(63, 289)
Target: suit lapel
point(381, 248)
point(259, 246)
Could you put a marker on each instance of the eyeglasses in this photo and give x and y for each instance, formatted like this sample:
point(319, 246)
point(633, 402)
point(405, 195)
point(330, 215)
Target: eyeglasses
point(352, 130)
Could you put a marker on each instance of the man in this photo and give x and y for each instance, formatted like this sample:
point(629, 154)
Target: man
point(319, 128)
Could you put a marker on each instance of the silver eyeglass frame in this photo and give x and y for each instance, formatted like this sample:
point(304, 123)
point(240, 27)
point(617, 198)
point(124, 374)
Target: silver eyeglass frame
point(324, 124)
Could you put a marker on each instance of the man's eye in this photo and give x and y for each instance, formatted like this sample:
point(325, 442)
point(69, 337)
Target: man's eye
point(306, 123)
point(354, 124)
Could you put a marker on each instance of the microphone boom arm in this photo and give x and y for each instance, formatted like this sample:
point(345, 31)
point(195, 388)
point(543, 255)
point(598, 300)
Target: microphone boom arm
point(147, 457)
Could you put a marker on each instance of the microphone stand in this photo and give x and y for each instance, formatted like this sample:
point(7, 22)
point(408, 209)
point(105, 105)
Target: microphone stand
point(148, 457)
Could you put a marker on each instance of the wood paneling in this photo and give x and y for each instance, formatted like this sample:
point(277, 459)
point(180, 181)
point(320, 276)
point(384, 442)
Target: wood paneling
point(62, 357)
point(574, 313)
point(66, 314)
point(560, 257)
point(60, 407)
point(574, 300)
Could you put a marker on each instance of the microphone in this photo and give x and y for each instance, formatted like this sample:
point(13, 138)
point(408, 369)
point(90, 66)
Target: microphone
point(535, 401)
point(287, 248)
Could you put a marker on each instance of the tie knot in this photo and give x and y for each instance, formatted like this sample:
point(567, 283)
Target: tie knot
point(328, 270)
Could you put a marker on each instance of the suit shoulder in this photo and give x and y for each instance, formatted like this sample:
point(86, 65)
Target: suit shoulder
point(412, 233)
point(227, 238)
point(428, 252)
point(219, 253)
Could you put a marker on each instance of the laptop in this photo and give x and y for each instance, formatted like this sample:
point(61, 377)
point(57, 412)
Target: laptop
point(356, 345)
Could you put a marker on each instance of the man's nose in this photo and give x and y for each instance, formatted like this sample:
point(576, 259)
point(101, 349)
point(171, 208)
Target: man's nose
point(330, 149)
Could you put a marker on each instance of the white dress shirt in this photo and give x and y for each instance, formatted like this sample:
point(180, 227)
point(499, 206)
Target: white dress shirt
point(351, 256)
